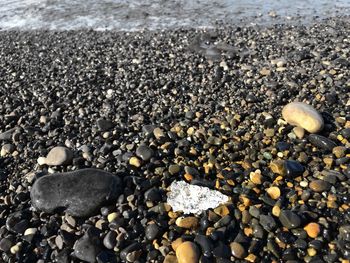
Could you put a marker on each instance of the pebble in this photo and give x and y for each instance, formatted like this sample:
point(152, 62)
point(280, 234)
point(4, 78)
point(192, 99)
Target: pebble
point(293, 168)
point(289, 219)
point(104, 125)
point(303, 115)
point(312, 229)
point(5, 244)
point(170, 259)
point(80, 193)
point(109, 241)
point(134, 161)
point(237, 250)
point(278, 167)
point(321, 142)
point(87, 248)
point(158, 133)
point(57, 156)
point(144, 152)
point(299, 132)
point(339, 151)
point(189, 222)
point(187, 252)
point(6, 149)
point(274, 192)
point(152, 231)
point(319, 185)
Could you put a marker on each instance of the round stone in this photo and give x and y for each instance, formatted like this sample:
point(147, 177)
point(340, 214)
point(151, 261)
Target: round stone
point(303, 115)
point(134, 161)
point(144, 152)
point(152, 231)
point(274, 192)
point(187, 252)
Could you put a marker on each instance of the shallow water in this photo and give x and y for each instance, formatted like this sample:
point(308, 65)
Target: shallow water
point(131, 15)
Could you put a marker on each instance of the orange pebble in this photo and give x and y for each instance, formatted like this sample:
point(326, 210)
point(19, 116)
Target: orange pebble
point(312, 229)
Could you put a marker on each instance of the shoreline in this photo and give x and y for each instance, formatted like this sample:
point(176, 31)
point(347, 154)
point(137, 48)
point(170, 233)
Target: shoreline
point(165, 106)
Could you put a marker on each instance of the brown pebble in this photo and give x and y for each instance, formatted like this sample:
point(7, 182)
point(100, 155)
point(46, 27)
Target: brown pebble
point(189, 222)
point(187, 252)
point(222, 210)
point(339, 151)
point(319, 185)
point(277, 167)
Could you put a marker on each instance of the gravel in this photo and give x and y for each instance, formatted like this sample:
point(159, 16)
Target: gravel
point(151, 108)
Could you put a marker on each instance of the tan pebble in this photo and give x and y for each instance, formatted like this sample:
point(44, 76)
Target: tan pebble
point(265, 72)
point(41, 160)
point(16, 248)
point(276, 210)
point(303, 115)
point(251, 258)
point(311, 252)
point(189, 222)
point(177, 242)
point(299, 132)
point(328, 161)
point(222, 210)
point(158, 133)
point(339, 151)
point(187, 252)
point(112, 216)
point(274, 192)
point(256, 177)
point(319, 185)
point(134, 161)
point(170, 259)
point(277, 167)
point(30, 231)
point(312, 229)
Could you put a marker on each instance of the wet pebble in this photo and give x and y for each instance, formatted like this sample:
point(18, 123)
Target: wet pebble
point(289, 219)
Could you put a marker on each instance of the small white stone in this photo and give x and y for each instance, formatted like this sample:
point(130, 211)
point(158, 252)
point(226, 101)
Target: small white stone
point(30, 231)
point(193, 198)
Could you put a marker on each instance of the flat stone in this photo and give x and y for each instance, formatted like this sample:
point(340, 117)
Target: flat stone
point(80, 193)
point(289, 219)
point(319, 185)
point(104, 125)
point(144, 152)
point(189, 222)
point(321, 142)
point(59, 156)
point(303, 115)
point(87, 248)
point(187, 252)
point(7, 135)
point(237, 250)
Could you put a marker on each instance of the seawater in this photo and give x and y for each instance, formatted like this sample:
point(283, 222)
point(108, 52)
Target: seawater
point(132, 15)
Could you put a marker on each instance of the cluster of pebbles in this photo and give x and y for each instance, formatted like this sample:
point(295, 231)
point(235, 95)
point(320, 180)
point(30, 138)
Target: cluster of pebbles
point(95, 127)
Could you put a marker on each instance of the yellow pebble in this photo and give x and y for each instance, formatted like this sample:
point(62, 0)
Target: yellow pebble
point(112, 216)
point(274, 192)
point(312, 229)
point(134, 161)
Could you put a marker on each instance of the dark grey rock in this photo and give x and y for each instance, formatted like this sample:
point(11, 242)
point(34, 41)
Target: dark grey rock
point(321, 142)
point(205, 243)
point(87, 248)
point(267, 222)
point(6, 244)
point(293, 168)
point(152, 231)
point(80, 193)
point(144, 152)
point(104, 125)
point(153, 195)
point(7, 135)
point(289, 219)
point(109, 240)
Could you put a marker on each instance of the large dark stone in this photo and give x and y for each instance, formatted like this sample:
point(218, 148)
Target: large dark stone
point(80, 193)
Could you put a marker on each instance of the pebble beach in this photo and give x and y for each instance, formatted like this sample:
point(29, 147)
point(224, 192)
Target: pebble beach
point(96, 126)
